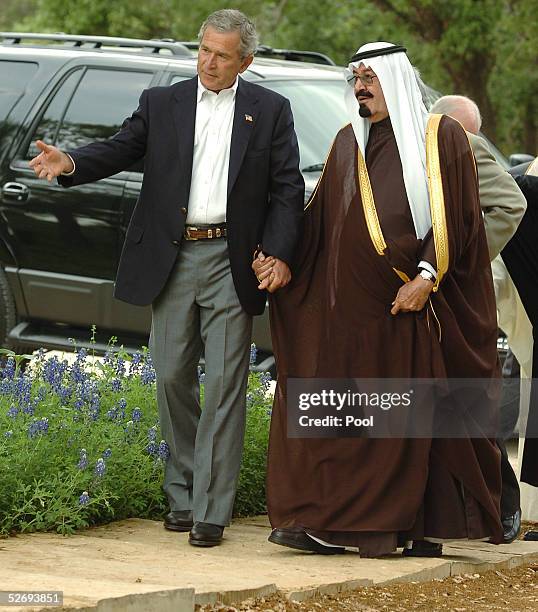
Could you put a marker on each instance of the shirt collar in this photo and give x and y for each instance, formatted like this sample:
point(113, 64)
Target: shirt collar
point(202, 89)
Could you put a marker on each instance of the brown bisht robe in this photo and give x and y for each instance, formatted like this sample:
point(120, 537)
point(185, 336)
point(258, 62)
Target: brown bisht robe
point(334, 321)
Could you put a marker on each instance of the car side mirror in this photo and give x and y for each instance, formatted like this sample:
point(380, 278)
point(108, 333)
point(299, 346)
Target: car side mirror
point(520, 158)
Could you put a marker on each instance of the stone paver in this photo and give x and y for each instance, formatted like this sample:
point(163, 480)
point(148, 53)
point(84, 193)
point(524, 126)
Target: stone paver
point(136, 565)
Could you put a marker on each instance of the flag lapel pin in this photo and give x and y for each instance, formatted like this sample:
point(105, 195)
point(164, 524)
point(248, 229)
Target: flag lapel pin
point(248, 118)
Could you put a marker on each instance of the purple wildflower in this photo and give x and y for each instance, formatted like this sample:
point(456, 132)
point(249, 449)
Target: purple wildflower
point(83, 461)
point(164, 451)
point(100, 467)
point(84, 499)
point(253, 353)
point(152, 449)
point(136, 415)
point(106, 453)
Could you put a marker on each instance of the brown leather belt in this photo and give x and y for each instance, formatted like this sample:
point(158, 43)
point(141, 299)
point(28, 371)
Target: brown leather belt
point(204, 232)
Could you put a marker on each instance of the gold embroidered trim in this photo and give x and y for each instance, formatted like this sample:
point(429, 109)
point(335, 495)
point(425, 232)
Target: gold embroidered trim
point(437, 201)
point(370, 213)
point(368, 205)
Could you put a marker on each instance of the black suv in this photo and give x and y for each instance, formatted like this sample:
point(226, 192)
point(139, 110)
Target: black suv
point(59, 248)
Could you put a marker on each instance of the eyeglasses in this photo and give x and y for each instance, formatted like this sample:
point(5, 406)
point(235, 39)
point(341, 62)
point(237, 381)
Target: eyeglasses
point(365, 79)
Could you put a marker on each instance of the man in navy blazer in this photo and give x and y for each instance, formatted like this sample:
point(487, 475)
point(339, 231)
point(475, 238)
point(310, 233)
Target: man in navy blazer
point(221, 183)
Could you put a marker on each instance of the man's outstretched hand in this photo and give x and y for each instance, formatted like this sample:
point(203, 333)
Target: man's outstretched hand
point(272, 273)
point(51, 162)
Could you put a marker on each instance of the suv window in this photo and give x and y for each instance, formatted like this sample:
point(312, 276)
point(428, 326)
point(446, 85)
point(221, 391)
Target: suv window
point(14, 76)
point(319, 111)
point(100, 104)
point(49, 124)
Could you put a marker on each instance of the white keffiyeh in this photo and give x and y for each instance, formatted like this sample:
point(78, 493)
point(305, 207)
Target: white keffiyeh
point(408, 117)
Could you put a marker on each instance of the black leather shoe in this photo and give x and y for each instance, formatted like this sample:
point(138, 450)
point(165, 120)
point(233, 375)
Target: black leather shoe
point(178, 520)
point(298, 539)
point(531, 536)
point(206, 534)
point(511, 527)
point(423, 548)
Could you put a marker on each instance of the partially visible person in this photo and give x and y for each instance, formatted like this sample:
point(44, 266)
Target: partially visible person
point(521, 258)
point(379, 292)
point(503, 206)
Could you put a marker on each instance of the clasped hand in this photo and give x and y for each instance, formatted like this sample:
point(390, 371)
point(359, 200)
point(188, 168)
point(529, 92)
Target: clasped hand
point(412, 296)
point(272, 273)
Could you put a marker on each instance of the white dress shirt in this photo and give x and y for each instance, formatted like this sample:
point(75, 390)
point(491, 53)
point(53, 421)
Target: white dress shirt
point(211, 156)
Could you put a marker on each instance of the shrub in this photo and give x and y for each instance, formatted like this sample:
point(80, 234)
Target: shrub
point(80, 443)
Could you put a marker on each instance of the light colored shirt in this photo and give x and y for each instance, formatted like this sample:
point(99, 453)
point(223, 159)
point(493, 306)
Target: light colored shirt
point(211, 155)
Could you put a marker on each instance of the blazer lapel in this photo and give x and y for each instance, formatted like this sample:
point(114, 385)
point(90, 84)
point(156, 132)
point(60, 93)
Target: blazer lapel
point(244, 120)
point(184, 113)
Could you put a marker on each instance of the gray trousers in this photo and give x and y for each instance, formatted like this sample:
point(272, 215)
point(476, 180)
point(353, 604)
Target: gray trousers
point(198, 311)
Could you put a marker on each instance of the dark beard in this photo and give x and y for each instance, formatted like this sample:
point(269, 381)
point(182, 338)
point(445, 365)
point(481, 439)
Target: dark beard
point(364, 111)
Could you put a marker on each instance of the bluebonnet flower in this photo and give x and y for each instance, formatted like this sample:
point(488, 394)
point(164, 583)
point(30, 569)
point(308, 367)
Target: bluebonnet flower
point(79, 404)
point(164, 451)
point(112, 413)
point(9, 369)
point(84, 499)
point(83, 461)
point(38, 426)
point(136, 415)
point(120, 366)
point(253, 353)
point(152, 433)
point(13, 411)
point(5, 386)
point(43, 424)
point(265, 380)
point(107, 452)
point(8, 434)
point(108, 359)
point(116, 384)
point(137, 358)
point(33, 429)
point(152, 449)
point(122, 404)
point(147, 374)
point(100, 467)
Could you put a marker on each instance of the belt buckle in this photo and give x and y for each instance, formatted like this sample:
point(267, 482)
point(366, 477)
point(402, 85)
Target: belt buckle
point(188, 233)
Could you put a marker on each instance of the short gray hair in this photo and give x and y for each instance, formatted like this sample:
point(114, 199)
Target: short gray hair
point(448, 105)
point(231, 20)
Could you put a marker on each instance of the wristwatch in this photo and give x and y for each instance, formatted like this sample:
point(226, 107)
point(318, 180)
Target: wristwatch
point(426, 275)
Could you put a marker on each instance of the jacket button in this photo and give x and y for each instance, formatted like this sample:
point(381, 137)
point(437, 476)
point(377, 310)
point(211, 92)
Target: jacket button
point(184, 210)
point(175, 242)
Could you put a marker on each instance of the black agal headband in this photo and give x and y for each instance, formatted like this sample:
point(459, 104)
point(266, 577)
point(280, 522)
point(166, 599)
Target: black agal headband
point(376, 52)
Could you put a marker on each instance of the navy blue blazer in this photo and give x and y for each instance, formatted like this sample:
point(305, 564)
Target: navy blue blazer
point(265, 187)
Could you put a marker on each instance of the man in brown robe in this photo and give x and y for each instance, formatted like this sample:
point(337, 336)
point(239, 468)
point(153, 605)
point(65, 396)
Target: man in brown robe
point(392, 281)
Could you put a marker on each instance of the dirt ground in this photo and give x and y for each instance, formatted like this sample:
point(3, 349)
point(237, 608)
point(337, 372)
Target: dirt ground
point(513, 590)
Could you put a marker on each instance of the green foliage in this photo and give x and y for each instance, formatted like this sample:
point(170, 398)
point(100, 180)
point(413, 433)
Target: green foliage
point(477, 48)
point(80, 444)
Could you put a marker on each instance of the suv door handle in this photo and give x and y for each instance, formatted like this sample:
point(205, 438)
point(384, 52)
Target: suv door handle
point(15, 191)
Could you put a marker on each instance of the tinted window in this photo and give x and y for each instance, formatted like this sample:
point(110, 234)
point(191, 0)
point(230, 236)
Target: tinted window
point(49, 124)
point(180, 77)
point(101, 102)
point(14, 76)
point(319, 112)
